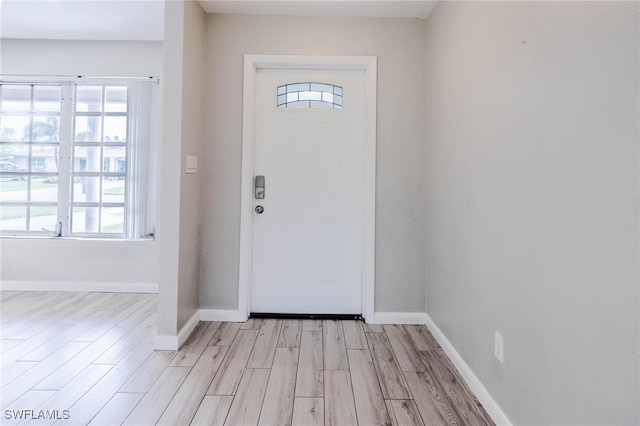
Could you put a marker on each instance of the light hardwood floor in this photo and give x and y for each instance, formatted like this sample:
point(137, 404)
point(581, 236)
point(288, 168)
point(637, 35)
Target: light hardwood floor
point(92, 354)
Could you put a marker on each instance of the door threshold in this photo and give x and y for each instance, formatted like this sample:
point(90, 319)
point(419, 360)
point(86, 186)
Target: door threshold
point(357, 317)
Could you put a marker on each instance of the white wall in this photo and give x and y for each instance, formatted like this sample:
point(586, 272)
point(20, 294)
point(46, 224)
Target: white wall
point(89, 58)
point(532, 202)
point(180, 194)
point(68, 260)
point(399, 45)
point(192, 144)
point(168, 235)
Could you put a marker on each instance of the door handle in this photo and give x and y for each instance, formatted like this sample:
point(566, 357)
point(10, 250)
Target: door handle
point(259, 209)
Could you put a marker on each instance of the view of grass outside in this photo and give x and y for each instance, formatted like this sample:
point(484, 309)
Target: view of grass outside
point(21, 185)
point(115, 191)
point(17, 212)
point(45, 188)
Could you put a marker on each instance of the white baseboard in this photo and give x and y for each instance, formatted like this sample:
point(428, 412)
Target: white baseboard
point(230, 315)
point(97, 287)
point(399, 318)
point(188, 328)
point(476, 386)
point(166, 342)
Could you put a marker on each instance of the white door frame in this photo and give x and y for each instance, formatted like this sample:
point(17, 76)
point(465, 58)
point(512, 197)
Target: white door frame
point(252, 63)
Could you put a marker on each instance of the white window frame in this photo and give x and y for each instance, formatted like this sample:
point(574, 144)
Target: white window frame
point(100, 174)
point(139, 223)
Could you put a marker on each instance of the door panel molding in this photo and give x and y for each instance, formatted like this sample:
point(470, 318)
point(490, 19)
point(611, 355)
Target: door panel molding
point(252, 63)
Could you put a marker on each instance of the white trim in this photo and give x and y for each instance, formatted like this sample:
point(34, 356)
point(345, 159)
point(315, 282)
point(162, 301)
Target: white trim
point(188, 328)
point(65, 163)
point(246, 222)
point(228, 315)
point(165, 342)
point(25, 78)
point(97, 287)
point(369, 190)
point(400, 318)
point(476, 386)
point(252, 63)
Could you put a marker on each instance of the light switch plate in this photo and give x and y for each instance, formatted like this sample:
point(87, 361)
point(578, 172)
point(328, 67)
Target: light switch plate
point(499, 347)
point(192, 164)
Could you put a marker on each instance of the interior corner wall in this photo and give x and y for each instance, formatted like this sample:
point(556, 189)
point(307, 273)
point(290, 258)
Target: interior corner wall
point(399, 45)
point(71, 260)
point(192, 142)
point(168, 224)
point(180, 193)
point(532, 177)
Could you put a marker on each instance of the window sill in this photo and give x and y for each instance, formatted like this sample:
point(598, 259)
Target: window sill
point(48, 237)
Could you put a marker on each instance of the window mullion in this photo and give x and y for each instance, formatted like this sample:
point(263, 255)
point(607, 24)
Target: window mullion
point(65, 154)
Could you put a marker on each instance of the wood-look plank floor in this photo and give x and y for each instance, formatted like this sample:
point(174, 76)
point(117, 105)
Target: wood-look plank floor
point(88, 358)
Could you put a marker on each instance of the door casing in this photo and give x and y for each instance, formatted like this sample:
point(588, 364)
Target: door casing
point(252, 63)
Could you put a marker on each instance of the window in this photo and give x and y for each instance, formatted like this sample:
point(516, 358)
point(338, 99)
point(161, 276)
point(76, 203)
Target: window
point(309, 95)
point(71, 158)
point(100, 137)
point(29, 148)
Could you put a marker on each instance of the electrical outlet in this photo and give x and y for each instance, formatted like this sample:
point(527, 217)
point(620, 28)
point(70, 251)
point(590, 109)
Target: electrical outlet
point(499, 348)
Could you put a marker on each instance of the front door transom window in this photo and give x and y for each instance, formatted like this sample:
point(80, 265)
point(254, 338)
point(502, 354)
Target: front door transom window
point(310, 96)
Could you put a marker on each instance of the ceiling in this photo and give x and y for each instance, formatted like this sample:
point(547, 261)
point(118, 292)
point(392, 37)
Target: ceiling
point(82, 19)
point(144, 19)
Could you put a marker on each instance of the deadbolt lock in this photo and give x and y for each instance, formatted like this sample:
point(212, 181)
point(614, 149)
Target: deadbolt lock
point(259, 187)
point(259, 209)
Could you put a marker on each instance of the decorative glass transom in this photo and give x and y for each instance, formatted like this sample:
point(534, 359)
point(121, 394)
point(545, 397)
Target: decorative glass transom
point(309, 95)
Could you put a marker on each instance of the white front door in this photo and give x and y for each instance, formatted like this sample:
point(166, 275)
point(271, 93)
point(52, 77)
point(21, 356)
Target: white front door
point(307, 242)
